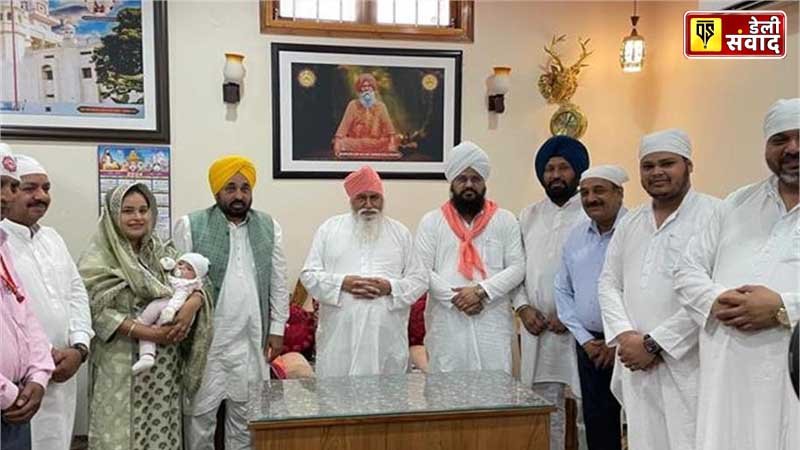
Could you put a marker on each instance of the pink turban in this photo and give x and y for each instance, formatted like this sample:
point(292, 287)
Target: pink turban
point(364, 179)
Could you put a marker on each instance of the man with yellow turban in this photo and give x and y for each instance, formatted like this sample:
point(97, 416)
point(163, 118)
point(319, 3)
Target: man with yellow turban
point(248, 275)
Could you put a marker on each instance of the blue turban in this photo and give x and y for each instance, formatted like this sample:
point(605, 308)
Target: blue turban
point(566, 147)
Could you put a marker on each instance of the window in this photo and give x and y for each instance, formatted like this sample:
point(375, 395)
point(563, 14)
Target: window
point(389, 19)
point(86, 72)
point(47, 73)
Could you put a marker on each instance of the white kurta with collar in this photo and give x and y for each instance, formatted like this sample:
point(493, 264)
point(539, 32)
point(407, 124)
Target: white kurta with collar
point(236, 367)
point(746, 401)
point(545, 227)
point(60, 302)
point(357, 336)
point(454, 340)
point(637, 294)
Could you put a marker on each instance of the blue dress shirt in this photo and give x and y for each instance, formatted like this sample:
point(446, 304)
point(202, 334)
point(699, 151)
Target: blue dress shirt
point(576, 281)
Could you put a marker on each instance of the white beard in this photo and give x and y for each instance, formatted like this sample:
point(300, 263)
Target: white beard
point(368, 227)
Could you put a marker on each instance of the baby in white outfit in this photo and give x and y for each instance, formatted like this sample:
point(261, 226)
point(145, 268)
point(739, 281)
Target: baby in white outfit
point(187, 278)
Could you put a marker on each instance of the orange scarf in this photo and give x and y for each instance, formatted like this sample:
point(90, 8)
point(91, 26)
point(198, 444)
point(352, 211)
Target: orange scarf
point(468, 257)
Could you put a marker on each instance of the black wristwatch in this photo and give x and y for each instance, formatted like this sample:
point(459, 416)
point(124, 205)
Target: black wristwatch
point(83, 350)
point(650, 345)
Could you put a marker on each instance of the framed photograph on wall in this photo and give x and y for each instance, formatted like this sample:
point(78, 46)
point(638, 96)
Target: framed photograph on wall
point(335, 109)
point(89, 70)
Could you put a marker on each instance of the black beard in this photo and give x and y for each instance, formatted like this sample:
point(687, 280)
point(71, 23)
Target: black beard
point(232, 213)
point(466, 207)
point(560, 195)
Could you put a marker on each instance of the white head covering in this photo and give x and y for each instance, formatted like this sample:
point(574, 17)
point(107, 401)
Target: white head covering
point(8, 163)
point(198, 262)
point(465, 155)
point(29, 166)
point(610, 172)
point(672, 140)
point(783, 115)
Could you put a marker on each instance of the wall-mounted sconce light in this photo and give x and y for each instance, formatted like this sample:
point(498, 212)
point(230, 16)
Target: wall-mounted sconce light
point(499, 85)
point(234, 75)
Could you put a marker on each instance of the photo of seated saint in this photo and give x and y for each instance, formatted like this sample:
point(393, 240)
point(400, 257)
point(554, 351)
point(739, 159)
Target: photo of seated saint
point(366, 130)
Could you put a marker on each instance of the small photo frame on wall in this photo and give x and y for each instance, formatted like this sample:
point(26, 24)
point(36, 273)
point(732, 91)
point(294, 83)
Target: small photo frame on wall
point(335, 109)
point(94, 70)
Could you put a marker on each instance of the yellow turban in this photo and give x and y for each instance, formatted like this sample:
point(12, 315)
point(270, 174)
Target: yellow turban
point(226, 167)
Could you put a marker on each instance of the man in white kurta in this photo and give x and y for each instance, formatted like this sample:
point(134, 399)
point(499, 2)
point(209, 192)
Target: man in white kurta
point(58, 298)
point(739, 279)
point(248, 328)
point(655, 374)
point(365, 275)
point(468, 316)
point(548, 359)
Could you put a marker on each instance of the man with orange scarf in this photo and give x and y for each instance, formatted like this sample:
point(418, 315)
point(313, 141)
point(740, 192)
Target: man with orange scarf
point(473, 252)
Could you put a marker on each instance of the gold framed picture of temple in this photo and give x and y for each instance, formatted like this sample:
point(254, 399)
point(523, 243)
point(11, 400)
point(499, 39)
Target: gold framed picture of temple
point(336, 108)
point(87, 70)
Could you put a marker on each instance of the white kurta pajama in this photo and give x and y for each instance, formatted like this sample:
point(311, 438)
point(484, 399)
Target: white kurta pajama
point(636, 294)
point(236, 367)
point(454, 340)
point(547, 362)
point(746, 401)
point(59, 300)
point(548, 357)
point(358, 336)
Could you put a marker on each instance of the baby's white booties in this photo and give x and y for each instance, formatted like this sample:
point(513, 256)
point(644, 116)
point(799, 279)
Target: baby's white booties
point(144, 363)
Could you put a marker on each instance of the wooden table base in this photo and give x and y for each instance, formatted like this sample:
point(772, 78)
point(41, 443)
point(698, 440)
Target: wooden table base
point(468, 430)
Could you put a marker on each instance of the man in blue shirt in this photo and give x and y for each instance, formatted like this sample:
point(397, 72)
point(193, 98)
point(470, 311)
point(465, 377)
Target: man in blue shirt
point(578, 305)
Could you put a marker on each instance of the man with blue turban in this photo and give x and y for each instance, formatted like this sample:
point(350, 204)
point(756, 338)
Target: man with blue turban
point(549, 363)
point(248, 276)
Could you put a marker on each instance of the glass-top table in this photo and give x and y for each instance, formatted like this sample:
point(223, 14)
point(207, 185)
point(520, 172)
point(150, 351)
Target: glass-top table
point(388, 395)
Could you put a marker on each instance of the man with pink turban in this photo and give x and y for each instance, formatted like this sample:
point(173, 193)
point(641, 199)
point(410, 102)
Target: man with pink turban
point(365, 275)
point(366, 129)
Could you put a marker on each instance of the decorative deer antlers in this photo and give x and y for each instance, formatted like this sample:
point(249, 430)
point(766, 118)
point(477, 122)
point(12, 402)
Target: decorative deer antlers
point(558, 84)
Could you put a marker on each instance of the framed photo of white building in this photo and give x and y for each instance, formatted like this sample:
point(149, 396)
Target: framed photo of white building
point(84, 70)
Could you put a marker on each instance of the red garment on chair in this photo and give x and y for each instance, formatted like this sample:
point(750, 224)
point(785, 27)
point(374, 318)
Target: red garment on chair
point(416, 322)
point(299, 334)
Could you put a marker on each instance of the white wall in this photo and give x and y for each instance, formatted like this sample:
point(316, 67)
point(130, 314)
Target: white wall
point(719, 102)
